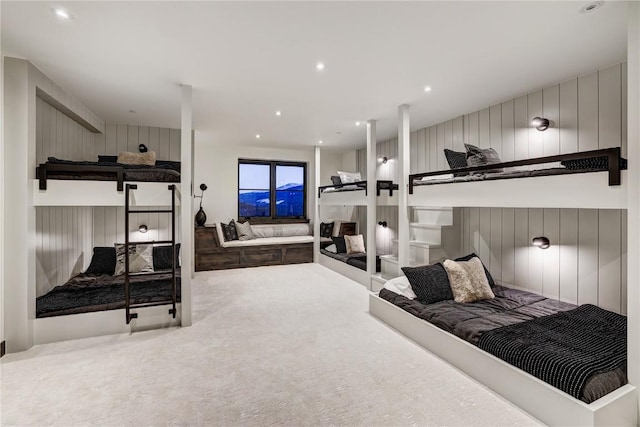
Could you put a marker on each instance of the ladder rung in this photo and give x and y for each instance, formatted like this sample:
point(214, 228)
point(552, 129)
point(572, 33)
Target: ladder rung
point(149, 242)
point(151, 273)
point(150, 211)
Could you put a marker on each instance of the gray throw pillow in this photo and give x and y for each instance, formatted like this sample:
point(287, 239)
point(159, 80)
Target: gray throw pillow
point(244, 231)
point(430, 283)
point(140, 258)
point(229, 231)
point(477, 156)
point(456, 160)
point(492, 282)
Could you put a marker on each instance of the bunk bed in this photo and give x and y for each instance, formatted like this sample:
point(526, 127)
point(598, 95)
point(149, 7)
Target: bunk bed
point(84, 183)
point(355, 193)
point(594, 187)
point(435, 327)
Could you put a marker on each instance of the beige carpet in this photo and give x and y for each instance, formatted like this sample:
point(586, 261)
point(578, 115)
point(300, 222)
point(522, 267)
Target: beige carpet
point(290, 345)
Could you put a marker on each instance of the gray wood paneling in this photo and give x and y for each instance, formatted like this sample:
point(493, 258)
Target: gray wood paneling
point(586, 262)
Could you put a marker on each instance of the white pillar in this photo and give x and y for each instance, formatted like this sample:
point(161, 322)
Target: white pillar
point(316, 205)
point(19, 214)
point(633, 195)
point(403, 184)
point(186, 204)
point(371, 198)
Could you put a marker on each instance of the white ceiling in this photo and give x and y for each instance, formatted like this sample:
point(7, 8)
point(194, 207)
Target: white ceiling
point(245, 60)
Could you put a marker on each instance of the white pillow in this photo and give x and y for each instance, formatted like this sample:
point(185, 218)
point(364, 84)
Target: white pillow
point(401, 286)
point(349, 177)
point(355, 244)
point(332, 249)
point(140, 258)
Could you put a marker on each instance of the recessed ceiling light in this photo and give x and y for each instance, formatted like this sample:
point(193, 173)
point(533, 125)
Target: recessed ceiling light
point(257, 136)
point(61, 13)
point(320, 142)
point(278, 113)
point(592, 6)
point(320, 66)
point(427, 88)
point(357, 123)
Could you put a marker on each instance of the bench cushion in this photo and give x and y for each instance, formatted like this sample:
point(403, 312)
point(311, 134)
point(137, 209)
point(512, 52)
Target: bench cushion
point(269, 241)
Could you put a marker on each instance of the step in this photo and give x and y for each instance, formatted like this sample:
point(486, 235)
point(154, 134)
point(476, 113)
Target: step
point(426, 233)
point(378, 280)
point(433, 215)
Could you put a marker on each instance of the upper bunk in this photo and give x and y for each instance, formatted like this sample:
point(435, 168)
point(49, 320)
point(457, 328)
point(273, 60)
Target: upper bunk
point(589, 179)
point(355, 193)
point(83, 183)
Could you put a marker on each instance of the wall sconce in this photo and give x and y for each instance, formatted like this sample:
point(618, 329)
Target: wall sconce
point(143, 228)
point(541, 242)
point(383, 224)
point(384, 160)
point(142, 148)
point(540, 123)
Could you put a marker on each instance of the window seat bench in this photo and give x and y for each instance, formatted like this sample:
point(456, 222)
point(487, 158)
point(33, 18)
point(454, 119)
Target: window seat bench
point(213, 253)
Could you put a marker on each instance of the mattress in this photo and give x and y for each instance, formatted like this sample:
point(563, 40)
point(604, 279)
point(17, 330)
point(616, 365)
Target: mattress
point(90, 171)
point(432, 180)
point(88, 293)
point(509, 307)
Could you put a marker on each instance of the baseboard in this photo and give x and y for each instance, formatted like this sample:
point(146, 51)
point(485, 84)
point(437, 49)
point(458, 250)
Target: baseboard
point(2, 348)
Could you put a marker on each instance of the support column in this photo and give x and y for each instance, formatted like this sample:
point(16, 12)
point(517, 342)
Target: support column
point(19, 221)
point(371, 198)
point(633, 195)
point(403, 184)
point(186, 204)
point(316, 205)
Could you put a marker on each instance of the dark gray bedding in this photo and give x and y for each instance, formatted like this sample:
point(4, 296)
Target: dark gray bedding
point(358, 260)
point(501, 175)
point(509, 307)
point(90, 171)
point(87, 293)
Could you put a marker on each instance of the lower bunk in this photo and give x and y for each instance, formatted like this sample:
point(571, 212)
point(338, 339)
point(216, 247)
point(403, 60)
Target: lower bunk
point(508, 325)
point(353, 266)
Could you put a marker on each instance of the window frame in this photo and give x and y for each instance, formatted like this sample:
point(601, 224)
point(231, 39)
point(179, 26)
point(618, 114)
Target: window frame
point(273, 164)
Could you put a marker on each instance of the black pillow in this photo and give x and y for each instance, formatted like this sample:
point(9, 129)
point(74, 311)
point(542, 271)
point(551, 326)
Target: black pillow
point(229, 231)
point(456, 160)
point(326, 229)
point(168, 164)
point(336, 180)
point(103, 261)
point(107, 159)
point(477, 156)
point(492, 283)
point(430, 283)
point(162, 257)
point(341, 246)
point(599, 163)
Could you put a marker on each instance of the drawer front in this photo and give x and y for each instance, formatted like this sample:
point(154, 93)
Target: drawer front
point(296, 255)
point(262, 256)
point(215, 261)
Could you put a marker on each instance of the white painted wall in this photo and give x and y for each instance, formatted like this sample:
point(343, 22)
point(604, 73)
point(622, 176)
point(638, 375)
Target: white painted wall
point(108, 222)
point(330, 164)
point(2, 199)
point(216, 164)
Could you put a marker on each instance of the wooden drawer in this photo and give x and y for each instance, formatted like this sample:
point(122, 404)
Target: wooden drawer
point(262, 256)
point(206, 238)
point(298, 254)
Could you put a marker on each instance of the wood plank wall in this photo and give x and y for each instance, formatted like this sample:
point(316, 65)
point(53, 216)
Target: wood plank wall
point(586, 262)
point(385, 171)
point(63, 234)
point(109, 221)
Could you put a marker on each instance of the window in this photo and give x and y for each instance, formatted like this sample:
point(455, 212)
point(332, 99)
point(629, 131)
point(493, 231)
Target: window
point(271, 189)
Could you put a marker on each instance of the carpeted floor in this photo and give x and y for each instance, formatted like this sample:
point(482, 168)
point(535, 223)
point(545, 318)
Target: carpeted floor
point(290, 345)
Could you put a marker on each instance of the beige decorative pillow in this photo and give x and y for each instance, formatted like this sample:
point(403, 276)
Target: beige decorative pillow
point(355, 244)
point(129, 158)
point(244, 231)
point(140, 258)
point(468, 281)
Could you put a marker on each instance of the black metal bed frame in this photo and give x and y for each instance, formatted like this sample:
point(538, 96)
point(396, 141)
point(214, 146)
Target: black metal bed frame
point(44, 169)
point(128, 211)
point(380, 185)
point(612, 154)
